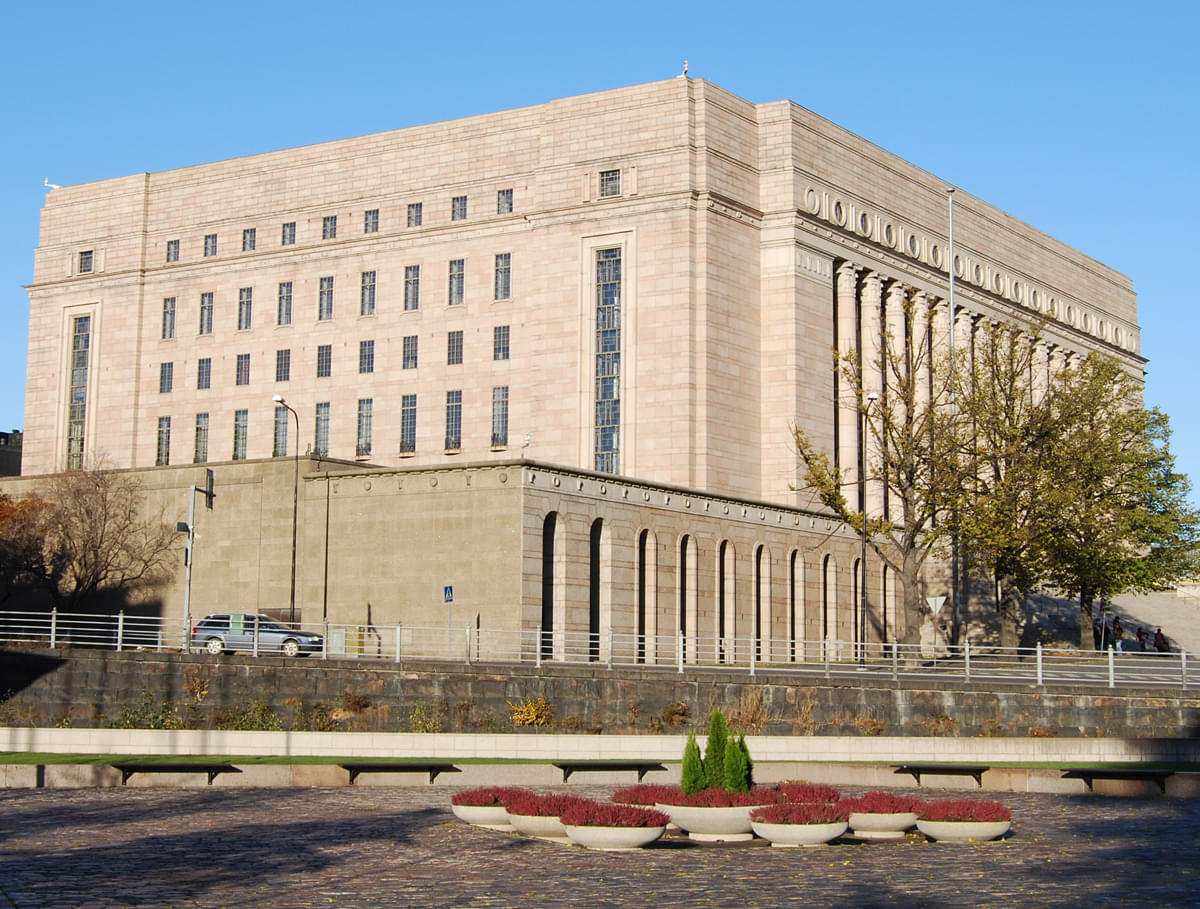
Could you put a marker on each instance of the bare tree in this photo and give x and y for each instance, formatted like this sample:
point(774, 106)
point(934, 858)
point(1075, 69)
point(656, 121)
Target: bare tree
point(23, 526)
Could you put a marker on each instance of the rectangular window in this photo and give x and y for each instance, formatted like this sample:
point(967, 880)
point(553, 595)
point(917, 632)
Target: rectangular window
point(453, 420)
point(371, 221)
point(458, 270)
point(206, 313)
point(283, 312)
point(249, 238)
point(204, 373)
point(363, 446)
point(210, 244)
point(245, 307)
point(325, 300)
point(503, 201)
point(499, 416)
point(241, 427)
point(280, 446)
point(410, 352)
point(500, 342)
point(168, 320)
point(172, 250)
point(454, 348)
point(166, 378)
point(412, 287)
point(287, 236)
point(321, 431)
point(414, 214)
point(458, 208)
point(324, 361)
point(81, 342)
point(86, 260)
point(366, 357)
point(408, 424)
point(367, 302)
point(503, 276)
point(283, 365)
point(329, 227)
point(608, 360)
point(162, 456)
point(200, 448)
point(243, 369)
point(610, 183)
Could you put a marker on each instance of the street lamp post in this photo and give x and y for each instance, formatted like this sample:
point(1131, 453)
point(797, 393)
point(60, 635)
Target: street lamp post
point(278, 399)
point(862, 481)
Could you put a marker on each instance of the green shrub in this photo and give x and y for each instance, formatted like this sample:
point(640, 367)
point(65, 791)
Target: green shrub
point(714, 750)
point(692, 776)
point(737, 767)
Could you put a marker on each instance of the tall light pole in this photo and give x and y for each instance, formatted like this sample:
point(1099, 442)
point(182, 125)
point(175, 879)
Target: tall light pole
point(278, 399)
point(955, 625)
point(862, 485)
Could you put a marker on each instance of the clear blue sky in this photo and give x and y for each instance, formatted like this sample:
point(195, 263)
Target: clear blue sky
point(1079, 118)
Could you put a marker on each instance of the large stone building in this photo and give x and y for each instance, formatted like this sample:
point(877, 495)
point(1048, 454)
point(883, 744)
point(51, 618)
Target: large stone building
point(645, 283)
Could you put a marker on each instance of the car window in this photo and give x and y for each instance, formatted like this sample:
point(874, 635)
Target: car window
point(215, 621)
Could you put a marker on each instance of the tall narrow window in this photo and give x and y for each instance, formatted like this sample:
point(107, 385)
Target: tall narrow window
point(241, 427)
point(412, 286)
point(245, 308)
point(608, 360)
point(367, 304)
point(287, 236)
point(500, 342)
point(610, 183)
point(243, 369)
point(458, 208)
point(325, 299)
point(414, 214)
point(409, 360)
point(280, 447)
point(249, 239)
point(329, 227)
point(324, 361)
point(371, 221)
point(204, 373)
point(172, 250)
point(200, 447)
point(283, 365)
point(81, 342)
point(362, 447)
point(162, 454)
point(503, 276)
point(168, 320)
point(499, 416)
point(454, 348)
point(366, 357)
point(283, 312)
point(458, 268)
point(210, 244)
point(321, 430)
point(503, 201)
point(206, 313)
point(408, 424)
point(453, 420)
point(87, 259)
point(166, 377)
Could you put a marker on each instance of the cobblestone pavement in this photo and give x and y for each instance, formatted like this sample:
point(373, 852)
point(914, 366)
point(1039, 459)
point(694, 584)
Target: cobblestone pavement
point(382, 846)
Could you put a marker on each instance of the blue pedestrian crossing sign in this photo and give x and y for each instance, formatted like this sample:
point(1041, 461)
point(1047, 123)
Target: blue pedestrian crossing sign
point(448, 594)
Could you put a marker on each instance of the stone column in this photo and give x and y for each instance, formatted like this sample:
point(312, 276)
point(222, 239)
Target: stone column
point(846, 456)
point(872, 357)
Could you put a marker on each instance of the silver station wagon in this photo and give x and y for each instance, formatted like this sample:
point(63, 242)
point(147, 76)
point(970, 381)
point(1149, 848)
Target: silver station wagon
point(237, 631)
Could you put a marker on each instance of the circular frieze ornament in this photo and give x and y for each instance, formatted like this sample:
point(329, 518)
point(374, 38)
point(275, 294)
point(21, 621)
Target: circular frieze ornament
point(556, 481)
point(687, 503)
point(998, 282)
point(914, 245)
point(503, 478)
point(366, 485)
point(864, 224)
point(645, 497)
point(433, 481)
point(725, 509)
point(1018, 292)
point(979, 274)
point(959, 268)
point(839, 214)
point(889, 235)
point(603, 490)
point(812, 200)
point(935, 255)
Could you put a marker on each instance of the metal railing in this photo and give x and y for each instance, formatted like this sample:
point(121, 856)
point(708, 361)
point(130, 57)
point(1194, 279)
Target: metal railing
point(969, 663)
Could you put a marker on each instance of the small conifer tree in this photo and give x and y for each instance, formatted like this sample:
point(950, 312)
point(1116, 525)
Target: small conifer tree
point(692, 776)
point(745, 749)
point(714, 750)
point(737, 772)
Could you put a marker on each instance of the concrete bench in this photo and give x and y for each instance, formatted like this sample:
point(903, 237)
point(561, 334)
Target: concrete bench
point(915, 770)
point(642, 767)
point(433, 768)
point(129, 768)
point(1090, 774)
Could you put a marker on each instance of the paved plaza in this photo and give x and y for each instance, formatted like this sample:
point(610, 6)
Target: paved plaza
point(385, 846)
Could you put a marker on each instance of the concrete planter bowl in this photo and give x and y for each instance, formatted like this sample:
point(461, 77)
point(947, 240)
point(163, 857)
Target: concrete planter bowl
point(712, 825)
point(490, 817)
point(892, 826)
point(799, 834)
point(541, 826)
point(963, 831)
point(613, 839)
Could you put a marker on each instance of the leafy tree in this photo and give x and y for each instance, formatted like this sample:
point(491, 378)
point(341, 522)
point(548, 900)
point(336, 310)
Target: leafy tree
point(23, 526)
point(692, 775)
point(715, 749)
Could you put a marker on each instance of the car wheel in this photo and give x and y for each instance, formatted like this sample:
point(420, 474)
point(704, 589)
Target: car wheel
point(291, 647)
point(214, 645)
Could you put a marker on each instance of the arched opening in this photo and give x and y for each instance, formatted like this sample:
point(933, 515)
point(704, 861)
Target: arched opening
point(762, 604)
point(594, 562)
point(647, 597)
point(546, 628)
point(795, 617)
point(829, 602)
point(726, 624)
point(686, 583)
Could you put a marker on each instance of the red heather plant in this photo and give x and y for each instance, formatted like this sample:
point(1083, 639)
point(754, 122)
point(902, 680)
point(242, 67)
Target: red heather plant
point(486, 796)
point(964, 810)
point(586, 813)
point(647, 794)
point(533, 804)
point(801, 813)
point(723, 798)
point(801, 791)
point(882, 803)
